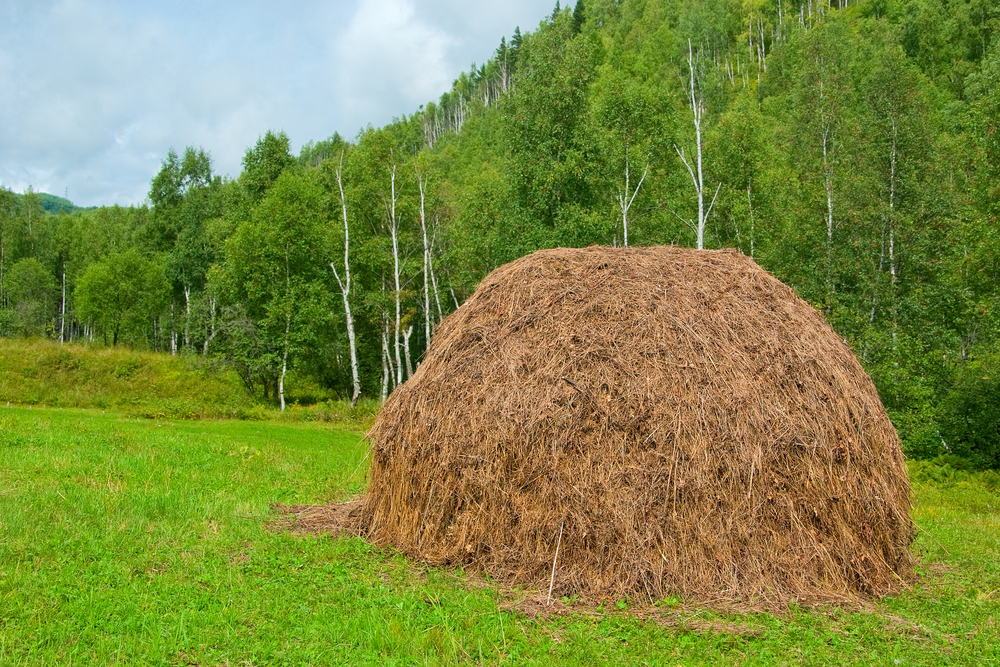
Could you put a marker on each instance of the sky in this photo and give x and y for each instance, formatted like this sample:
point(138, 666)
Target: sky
point(93, 93)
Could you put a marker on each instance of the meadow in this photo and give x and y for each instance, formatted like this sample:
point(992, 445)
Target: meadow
point(137, 541)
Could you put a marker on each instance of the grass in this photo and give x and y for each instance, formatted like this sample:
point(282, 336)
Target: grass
point(40, 372)
point(135, 541)
point(153, 385)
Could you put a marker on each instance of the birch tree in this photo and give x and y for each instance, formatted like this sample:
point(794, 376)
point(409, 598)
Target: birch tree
point(274, 271)
point(390, 206)
point(345, 285)
point(379, 179)
point(898, 152)
point(8, 237)
point(627, 120)
point(696, 172)
point(745, 154)
point(827, 136)
point(826, 153)
point(30, 288)
point(826, 102)
point(428, 231)
point(422, 186)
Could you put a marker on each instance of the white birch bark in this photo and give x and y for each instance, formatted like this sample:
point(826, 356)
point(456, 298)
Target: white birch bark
point(284, 362)
point(893, 265)
point(697, 110)
point(827, 142)
point(434, 283)
point(211, 332)
point(62, 318)
point(394, 231)
point(187, 316)
point(345, 289)
point(288, 329)
point(627, 196)
point(422, 184)
point(173, 333)
point(386, 370)
point(406, 347)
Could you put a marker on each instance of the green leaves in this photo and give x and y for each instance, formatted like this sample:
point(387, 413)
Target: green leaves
point(31, 293)
point(121, 295)
point(264, 163)
point(276, 280)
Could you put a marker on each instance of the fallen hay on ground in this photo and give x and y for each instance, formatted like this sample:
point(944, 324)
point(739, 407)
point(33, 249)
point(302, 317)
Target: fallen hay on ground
point(670, 421)
point(338, 519)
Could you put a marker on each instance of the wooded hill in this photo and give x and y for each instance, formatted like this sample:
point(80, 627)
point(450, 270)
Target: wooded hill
point(849, 148)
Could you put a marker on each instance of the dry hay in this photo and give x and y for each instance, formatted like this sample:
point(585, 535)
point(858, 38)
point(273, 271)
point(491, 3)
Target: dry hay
point(337, 519)
point(687, 424)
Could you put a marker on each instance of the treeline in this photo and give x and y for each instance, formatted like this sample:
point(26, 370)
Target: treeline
point(849, 147)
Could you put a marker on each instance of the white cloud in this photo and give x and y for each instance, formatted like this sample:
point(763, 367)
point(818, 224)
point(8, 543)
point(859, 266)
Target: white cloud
point(94, 92)
point(390, 59)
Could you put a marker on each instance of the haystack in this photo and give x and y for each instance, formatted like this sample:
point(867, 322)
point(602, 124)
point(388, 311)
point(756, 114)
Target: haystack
point(674, 422)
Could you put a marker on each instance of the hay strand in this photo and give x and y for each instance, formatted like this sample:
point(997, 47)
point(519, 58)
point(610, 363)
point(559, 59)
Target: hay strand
point(552, 579)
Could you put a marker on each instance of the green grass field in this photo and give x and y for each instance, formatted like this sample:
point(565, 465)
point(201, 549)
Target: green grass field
point(132, 541)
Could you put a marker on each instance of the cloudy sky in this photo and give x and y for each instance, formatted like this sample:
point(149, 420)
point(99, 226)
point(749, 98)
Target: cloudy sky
point(94, 92)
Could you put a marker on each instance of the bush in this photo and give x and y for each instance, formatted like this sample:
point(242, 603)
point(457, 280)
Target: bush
point(919, 432)
point(971, 412)
point(950, 470)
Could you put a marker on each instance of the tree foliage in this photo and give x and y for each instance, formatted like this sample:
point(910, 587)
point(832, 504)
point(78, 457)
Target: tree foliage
point(851, 148)
point(121, 295)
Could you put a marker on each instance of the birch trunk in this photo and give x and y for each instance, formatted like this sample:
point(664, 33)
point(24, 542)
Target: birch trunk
point(211, 333)
point(394, 230)
point(187, 317)
point(173, 333)
point(385, 365)
point(62, 318)
point(288, 329)
point(406, 347)
point(422, 183)
point(827, 145)
point(893, 265)
point(828, 184)
point(345, 289)
point(627, 196)
point(434, 284)
point(284, 362)
point(697, 110)
point(888, 232)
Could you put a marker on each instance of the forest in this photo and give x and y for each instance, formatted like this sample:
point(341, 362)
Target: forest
point(849, 147)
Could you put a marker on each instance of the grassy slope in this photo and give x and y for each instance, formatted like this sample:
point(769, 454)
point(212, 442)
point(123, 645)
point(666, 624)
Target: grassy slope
point(149, 384)
point(146, 542)
point(140, 383)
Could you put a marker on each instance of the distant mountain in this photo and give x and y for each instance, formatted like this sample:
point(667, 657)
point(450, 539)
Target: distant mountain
point(56, 205)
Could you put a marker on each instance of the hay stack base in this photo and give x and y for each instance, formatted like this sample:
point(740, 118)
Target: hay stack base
point(688, 423)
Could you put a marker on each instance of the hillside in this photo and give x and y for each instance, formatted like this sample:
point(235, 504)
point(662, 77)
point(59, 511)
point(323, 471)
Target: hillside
point(55, 205)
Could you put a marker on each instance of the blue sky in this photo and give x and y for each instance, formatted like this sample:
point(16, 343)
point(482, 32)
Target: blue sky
point(94, 92)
